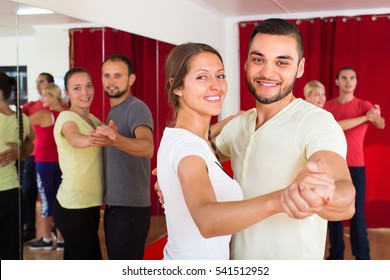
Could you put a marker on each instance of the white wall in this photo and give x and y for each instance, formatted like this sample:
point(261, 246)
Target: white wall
point(169, 21)
point(47, 51)
point(161, 20)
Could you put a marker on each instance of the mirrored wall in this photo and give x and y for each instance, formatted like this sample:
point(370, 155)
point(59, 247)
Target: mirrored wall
point(32, 41)
point(35, 43)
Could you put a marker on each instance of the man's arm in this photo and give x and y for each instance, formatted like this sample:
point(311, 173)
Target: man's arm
point(353, 122)
point(27, 146)
point(339, 202)
point(216, 129)
point(140, 146)
point(374, 116)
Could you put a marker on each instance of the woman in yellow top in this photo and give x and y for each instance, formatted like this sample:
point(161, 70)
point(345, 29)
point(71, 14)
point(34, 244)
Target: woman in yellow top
point(80, 195)
point(10, 244)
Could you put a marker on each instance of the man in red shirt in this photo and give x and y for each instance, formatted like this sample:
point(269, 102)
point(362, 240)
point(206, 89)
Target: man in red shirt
point(353, 115)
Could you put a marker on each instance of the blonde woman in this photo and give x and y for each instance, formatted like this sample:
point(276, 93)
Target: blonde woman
point(314, 92)
point(46, 161)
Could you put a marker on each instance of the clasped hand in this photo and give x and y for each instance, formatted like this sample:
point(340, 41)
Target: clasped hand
point(311, 190)
point(374, 114)
point(103, 135)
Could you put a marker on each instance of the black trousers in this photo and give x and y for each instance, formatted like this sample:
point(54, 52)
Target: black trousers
point(126, 229)
point(10, 244)
point(358, 229)
point(30, 193)
point(79, 228)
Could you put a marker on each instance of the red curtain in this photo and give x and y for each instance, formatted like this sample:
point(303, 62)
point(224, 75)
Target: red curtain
point(89, 47)
point(362, 42)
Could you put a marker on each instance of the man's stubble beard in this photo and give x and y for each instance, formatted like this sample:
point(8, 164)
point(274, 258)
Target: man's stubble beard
point(117, 95)
point(282, 94)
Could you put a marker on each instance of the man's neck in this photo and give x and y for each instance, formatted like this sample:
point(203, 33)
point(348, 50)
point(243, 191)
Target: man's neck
point(266, 111)
point(117, 101)
point(345, 97)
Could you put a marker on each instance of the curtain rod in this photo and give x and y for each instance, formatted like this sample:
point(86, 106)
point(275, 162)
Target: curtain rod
point(92, 29)
point(326, 19)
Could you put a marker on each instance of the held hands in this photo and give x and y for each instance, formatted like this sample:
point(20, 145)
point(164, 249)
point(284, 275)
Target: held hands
point(9, 156)
point(312, 189)
point(103, 135)
point(157, 189)
point(374, 114)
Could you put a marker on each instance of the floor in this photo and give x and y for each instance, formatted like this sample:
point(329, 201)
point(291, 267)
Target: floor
point(157, 230)
point(379, 239)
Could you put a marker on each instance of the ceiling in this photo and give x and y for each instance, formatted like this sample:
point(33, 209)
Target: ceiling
point(236, 9)
point(246, 8)
point(27, 23)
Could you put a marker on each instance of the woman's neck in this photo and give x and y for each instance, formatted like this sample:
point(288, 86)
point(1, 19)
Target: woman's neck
point(5, 109)
point(82, 112)
point(195, 124)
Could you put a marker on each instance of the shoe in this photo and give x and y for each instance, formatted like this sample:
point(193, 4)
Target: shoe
point(41, 245)
point(60, 246)
point(28, 236)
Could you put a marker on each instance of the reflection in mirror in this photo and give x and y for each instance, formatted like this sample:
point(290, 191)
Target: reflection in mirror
point(31, 43)
point(10, 197)
point(41, 44)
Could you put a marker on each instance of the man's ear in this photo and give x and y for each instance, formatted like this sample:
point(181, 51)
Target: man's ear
point(133, 77)
point(301, 68)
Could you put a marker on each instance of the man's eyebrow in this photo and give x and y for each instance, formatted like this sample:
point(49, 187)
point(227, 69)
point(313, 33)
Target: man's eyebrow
point(256, 53)
point(286, 57)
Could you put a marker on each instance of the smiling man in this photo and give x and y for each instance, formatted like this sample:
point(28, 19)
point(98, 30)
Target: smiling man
point(268, 145)
point(128, 142)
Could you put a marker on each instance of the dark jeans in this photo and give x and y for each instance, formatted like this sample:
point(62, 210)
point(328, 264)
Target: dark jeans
point(79, 227)
point(30, 194)
point(126, 229)
point(358, 229)
point(10, 244)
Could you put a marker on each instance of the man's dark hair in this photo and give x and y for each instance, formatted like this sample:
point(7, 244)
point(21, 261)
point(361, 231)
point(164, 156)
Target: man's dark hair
point(49, 77)
point(277, 26)
point(345, 68)
point(124, 59)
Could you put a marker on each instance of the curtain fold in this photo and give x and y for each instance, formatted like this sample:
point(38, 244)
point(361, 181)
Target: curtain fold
point(362, 42)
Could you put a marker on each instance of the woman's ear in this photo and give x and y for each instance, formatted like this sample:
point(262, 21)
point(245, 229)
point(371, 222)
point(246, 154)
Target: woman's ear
point(178, 91)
